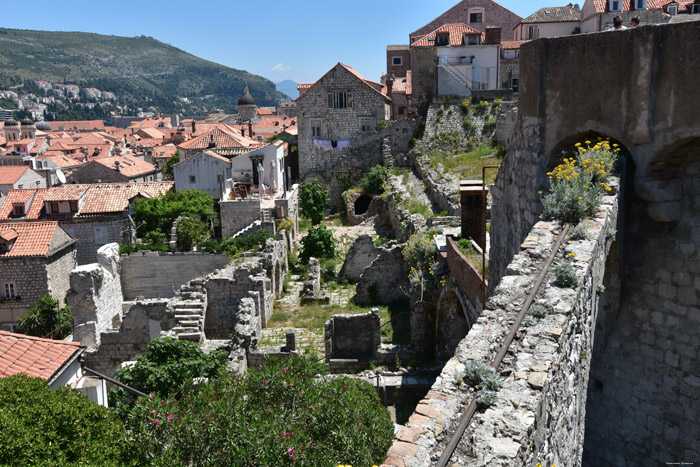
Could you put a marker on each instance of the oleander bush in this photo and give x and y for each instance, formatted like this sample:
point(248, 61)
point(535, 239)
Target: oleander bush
point(280, 414)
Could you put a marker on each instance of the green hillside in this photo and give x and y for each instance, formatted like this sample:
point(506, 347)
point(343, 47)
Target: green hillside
point(140, 70)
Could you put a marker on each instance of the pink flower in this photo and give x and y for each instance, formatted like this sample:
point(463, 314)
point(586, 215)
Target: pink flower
point(292, 456)
point(170, 416)
point(155, 422)
point(264, 381)
point(154, 411)
point(345, 387)
point(290, 450)
point(291, 384)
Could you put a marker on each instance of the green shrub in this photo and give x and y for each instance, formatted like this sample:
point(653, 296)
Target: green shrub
point(486, 398)
point(190, 231)
point(381, 241)
point(277, 415)
point(465, 106)
point(313, 201)
point(416, 207)
point(373, 181)
point(419, 253)
point(167, 367)
point(381, 124)
point(255, 241)
point(210, 246)
point(43, 427)
point(46, 317)
point(539, 311)
point(158, 214)
point(580, 232)
point(318, 243)
point(565, 275)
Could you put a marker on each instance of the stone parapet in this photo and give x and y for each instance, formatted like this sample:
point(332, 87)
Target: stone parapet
point(539, 412)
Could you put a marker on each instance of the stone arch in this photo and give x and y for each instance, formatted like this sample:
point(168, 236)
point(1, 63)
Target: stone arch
point(565, 147)
point(451, 325)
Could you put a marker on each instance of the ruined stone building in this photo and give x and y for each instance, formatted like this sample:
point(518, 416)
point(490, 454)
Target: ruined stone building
point(335, 110)
point(94, 214)
point(36, 258)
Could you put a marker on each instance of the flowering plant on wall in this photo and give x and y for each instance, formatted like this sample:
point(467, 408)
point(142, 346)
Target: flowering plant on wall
point(578, 184)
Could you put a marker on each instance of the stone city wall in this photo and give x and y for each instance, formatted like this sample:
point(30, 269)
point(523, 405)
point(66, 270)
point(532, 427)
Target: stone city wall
point(353, 336)
point(151, 274)
point(238, 214)
point(539, 412)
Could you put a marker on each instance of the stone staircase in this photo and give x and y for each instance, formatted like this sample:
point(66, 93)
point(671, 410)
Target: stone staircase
point(189, 311)
point(248, 229)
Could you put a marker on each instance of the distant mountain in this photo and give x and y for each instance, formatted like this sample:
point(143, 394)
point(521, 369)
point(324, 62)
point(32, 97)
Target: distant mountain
point(289, 88)
point(139, 70)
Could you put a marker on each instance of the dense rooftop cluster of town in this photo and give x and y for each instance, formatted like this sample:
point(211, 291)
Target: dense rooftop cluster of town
point(67, 188)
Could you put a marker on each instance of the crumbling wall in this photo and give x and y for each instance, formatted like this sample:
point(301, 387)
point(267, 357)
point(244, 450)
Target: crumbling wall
point(385, 280)
point(312, 285)
point(151, 274)
point(353, 336)
point(226, 290)
point(539, 412)
point(360, 255)
point(95, 296)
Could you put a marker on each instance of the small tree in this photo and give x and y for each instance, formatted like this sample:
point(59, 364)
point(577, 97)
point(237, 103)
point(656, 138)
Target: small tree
point(190, 231)
point(318, 243)
point(313, 201)
point(45, 317)
point(43, 427)
point(166, 367)
point(373, 181)
point(168, 167)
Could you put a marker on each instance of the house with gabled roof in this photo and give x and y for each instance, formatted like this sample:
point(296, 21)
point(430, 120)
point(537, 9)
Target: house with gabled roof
point(455, 59)
point(598, 15)
point(477, 14)
point(19, 176)
point(116, 169)
point(36, 258)
point(94, 214)
point(335, 110)
point(220, 138)
point(205, 172)
point(550, 22)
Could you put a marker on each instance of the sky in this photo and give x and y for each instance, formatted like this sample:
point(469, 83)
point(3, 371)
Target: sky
point(298, 40)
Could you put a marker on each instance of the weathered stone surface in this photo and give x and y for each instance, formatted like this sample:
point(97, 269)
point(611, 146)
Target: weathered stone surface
point(353, 336)
point(385, 280)
point(312, 285)
point(360, 256)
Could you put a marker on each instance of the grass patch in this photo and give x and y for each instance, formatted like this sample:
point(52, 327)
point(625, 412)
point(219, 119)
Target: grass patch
point(473, 256)
point(416, 207)
point(468, 164)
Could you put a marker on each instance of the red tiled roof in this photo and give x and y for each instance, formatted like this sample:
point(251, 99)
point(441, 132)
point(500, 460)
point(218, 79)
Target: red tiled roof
point(456, 32)
point(33, 356)
point(9, 174)
point(628, 5)
point(15, 196)
point(223, 139)
point(128, 166)
point(164, 151)
point(114, 197)
point(32, 238)
point(380, 88)
point(263, 112)
point(79, 125)
point(64, 193)
point(150, 123)
point(508, 45)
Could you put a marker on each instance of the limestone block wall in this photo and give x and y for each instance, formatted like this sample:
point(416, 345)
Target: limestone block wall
point(540, 411)
point(94, 233)
point(353, 336)
point(154, 275)
point(226, 291)
point(95, 297)
point(30, 280)
point(387, 274)
point(237, 215)
point(58, 269)
point(516, 204)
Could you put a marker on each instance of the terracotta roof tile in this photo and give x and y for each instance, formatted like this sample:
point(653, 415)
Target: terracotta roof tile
point(128, 166)
point(78, 125)
point(507, 45)
point(222, 138)
point(104, 198)
point(628, 5)
point(456, 35)
point(150, 123)
point(33, 356)
point(31, 238)
point(64, 193)
point(9, 174)
point(556, 14)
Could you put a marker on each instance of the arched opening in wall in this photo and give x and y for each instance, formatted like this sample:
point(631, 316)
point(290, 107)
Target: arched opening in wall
point(362, 204)
point(451, 324)
point(644, 322)
point(567, 147)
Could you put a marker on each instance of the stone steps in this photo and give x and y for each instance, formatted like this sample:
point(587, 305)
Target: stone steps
point(190, 336)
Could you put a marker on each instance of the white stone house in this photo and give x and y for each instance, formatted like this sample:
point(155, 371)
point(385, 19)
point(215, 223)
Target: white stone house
point(466, 60)
point(335, 110)
point(263, 168)
point(205, 172)
point(549, 22)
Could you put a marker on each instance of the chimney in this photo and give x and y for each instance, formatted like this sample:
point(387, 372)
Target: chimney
point(250, 130)
point(493, 35)
point(212, 144)
point(193, 127)
point(242, 130)
point(471, 199)
point(116, 166)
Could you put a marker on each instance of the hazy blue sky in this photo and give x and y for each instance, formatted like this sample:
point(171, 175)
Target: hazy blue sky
point(298, 40)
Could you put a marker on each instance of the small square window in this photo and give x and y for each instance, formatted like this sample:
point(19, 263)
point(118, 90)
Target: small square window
point(673, 10)
point(316, 128)
point(17, 210)
point(367, 125)
point(193, 179)
point(476, 17)
point(9, 327)
point(73, 206)
point(696, 8)
point(402, 110)
point(54, 206)
point(396, 61)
